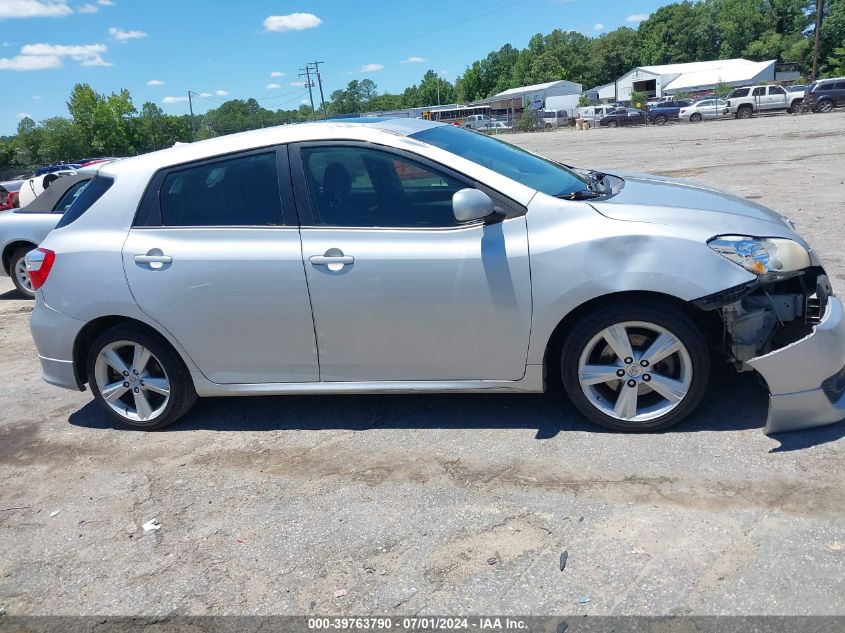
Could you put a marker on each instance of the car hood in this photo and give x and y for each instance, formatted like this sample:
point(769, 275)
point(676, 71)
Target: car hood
point(659, 200)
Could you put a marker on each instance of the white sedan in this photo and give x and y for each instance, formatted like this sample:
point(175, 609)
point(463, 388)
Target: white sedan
point(704, 109)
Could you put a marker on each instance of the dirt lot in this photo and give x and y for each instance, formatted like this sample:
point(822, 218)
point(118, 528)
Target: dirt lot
point(444, 504)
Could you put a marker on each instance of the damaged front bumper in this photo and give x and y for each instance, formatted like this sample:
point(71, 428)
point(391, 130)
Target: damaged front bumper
point(806, 379)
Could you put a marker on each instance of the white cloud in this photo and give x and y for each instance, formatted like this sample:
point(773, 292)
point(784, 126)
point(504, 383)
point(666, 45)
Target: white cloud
point(292, 22)
point(124, 36)
point(272, 86)
point(85, 54)
point(276, 73)
point(637, 17)
point(78, 52)
point(30, 62)
point(370, 68)
point(598, 26)
point(443, 72)
point(155, 82)
point(34, 9)
point(36, 97)
point(296, 84)
point(171, 100)
point(221, 93)
point(205, 95)
point(413, 59)
point(24, 115)
point(105, 3)
point(96, 61)
point(89, 8)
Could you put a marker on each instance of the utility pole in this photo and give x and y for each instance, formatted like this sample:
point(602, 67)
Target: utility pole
point(307, 76)
point(193, 125)
point(819, 11)
point(320, 83)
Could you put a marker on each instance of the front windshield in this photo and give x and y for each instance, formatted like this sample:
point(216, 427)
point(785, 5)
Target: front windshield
point(506, 159)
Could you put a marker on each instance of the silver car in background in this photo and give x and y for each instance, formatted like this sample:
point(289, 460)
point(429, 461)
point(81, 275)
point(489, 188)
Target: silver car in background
point(21, 230)
point(384, 256)
point(703, 109)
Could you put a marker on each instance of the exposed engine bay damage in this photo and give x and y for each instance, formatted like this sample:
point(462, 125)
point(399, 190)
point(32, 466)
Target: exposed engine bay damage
point(792, 332)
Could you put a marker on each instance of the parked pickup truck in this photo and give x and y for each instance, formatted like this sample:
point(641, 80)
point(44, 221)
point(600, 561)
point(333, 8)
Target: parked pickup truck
point(665, 111)
point(748, 100)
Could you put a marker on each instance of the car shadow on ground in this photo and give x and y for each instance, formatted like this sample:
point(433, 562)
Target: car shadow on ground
point(733, 402)
point(12, 295)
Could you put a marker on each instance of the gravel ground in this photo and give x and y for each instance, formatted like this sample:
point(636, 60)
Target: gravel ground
point(446, 504)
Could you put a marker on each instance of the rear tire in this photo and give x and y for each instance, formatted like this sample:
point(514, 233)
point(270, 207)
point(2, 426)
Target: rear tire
point(590, 367)
point(825, 106)
point(136, 389)
point(17, 270)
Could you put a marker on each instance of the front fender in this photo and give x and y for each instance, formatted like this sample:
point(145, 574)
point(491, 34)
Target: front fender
point(578, 255)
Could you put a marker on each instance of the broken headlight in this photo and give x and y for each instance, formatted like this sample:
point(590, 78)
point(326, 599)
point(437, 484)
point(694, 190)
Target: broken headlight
point(762, 255)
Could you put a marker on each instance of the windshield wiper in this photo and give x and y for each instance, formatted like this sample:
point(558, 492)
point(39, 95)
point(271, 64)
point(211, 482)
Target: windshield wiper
point(581, 194)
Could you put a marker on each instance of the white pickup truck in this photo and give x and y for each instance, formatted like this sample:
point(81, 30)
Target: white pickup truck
point(748, 100)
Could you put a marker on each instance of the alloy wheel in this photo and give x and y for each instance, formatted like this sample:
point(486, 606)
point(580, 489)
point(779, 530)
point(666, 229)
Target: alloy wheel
point(22, 276)
point(132, 381)
point(635, 371)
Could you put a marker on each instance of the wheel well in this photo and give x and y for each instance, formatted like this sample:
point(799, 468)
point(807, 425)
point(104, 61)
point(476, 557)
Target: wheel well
point(10, 250)
point(707, 321)
point(92, 330)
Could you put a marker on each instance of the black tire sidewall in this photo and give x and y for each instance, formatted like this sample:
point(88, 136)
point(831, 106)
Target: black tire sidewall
point(13, 261)
point(182, 393)
point(695, 118)
point(664, 315)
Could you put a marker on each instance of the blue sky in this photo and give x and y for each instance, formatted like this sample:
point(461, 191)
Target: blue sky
point(160, 49)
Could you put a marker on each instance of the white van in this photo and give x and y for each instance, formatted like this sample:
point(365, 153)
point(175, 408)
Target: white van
point(594, 114)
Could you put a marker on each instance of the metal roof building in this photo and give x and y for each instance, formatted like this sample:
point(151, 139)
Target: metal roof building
point(515, 98)
point(668, 79)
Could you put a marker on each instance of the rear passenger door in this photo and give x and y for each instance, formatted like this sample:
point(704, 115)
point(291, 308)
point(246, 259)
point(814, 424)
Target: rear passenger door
point(214, 256)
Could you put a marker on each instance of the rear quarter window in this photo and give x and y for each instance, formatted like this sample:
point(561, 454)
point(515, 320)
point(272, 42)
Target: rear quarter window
point(89, 195)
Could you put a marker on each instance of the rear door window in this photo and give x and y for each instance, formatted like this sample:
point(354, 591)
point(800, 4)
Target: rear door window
point(241, 191)
point(776, 90)
point(840, 85)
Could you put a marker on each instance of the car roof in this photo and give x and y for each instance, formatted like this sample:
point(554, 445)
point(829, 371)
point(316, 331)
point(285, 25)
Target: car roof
point(358, 128)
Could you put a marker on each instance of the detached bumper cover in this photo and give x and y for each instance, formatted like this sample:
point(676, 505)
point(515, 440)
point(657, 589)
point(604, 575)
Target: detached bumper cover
point(805, 378)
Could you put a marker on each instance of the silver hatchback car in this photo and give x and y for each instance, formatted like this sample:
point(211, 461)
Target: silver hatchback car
point(385, 255)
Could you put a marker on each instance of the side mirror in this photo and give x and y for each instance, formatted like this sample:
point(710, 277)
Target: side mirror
point(472, 204)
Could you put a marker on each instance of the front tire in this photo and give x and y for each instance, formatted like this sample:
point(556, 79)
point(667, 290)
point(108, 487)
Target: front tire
point(695, 117)
point(660, 119)
point(17, 270)
point(138, 379)
point(744, 113)
point(641, 366)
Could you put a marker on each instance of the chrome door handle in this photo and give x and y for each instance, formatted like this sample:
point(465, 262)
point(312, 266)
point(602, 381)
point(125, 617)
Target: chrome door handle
point(325, 260)
point(153, 259)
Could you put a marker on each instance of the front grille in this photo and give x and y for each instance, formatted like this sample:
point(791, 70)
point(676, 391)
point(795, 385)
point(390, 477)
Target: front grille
point(834, 387)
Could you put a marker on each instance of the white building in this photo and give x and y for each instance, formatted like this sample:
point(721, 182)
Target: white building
point(552, 95)
point(669, 79)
